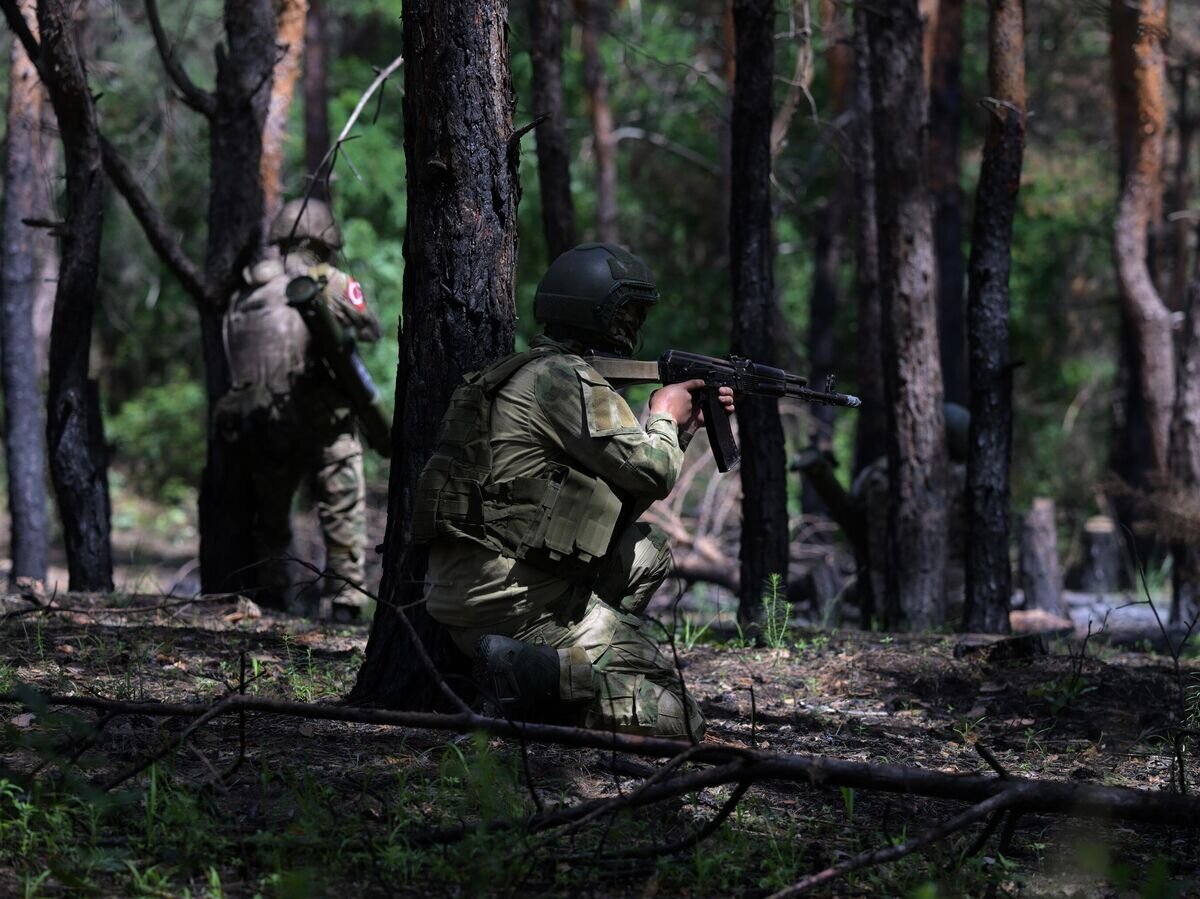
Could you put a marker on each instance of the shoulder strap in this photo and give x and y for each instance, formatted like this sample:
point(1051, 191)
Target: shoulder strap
point(497, 374)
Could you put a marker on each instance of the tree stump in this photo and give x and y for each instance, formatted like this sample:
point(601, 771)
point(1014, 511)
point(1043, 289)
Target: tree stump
point(1100, 571)
point(1041, 577)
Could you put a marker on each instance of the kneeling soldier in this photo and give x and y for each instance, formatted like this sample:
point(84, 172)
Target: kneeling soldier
point(537, 564)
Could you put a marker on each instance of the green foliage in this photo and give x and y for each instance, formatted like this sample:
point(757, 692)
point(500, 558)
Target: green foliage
point(777, 612)
point(163, 429)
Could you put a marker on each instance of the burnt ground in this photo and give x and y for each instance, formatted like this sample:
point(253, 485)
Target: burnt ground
point(317, 808)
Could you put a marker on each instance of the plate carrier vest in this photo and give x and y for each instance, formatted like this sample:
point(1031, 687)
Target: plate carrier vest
point(563, 523)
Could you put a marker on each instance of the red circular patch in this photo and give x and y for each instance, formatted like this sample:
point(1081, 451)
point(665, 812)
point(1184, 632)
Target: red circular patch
point(355, 293)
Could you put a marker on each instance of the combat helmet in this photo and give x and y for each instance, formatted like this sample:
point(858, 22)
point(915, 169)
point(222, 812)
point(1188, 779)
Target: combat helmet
point(586, 287)
point(958, 429)
point(302, 221)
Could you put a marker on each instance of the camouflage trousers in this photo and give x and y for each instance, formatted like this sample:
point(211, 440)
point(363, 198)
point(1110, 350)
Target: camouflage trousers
point(608, 664)
point(333, 469)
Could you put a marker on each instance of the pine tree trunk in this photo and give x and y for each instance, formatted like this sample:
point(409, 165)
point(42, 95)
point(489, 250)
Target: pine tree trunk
point(822, 315)
point(290, 41)
point(828, 227)
point(553, 152)
point(1138, 29)
point(764, 548)
point(235, 217)
point(592, 17)
point(912, 373)
point(74, 428)
point(460, 253)
point(316, 96)
point(24, 434)
point(989, 573)
point(870, 440)
point(945, 124)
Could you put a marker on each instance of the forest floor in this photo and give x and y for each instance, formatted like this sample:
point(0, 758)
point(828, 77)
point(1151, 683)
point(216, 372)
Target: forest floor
point(312, 808)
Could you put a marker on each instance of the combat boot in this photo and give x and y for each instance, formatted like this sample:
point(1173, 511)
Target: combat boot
point(518, 680)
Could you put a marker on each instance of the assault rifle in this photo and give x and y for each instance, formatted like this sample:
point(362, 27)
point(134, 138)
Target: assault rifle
point(340, 353)
point(745, 377)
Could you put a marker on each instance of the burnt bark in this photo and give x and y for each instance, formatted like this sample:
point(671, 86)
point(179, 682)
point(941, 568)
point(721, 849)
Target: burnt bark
point(912, 372)
point(24, 435)
point(460, 250)
point(592, 18)
point(989, 573)
point(316, 96)
point(74, 428)
point(828, 234)
point(945, 164)
point(822, 316)
point(553, 151)
point(764, 546)
point(235, 215)
point(870, 440)
point(1185, 453)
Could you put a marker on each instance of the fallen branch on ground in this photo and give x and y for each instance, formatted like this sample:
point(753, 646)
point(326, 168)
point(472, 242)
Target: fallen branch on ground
point(1077, 800)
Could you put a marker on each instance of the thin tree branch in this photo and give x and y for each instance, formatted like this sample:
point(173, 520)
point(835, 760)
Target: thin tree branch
point(892, 853)
point(157, 231)
point(200, 100)
point(325, 167)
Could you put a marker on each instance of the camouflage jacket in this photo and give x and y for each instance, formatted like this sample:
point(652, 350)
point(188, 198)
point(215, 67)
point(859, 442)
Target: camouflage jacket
point(554, 411)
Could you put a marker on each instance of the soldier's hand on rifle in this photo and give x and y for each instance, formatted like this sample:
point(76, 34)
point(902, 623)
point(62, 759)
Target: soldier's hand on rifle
point(679, 401)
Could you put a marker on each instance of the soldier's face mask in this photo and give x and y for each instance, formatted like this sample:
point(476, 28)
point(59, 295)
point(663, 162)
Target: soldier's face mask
point(626, 324)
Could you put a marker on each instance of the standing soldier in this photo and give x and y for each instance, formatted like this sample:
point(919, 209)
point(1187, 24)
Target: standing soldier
point(288, 417)
point(537, 564)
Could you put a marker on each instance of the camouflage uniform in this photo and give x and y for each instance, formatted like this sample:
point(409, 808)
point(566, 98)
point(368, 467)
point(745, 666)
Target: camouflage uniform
point(289, 419)
point(556, 412)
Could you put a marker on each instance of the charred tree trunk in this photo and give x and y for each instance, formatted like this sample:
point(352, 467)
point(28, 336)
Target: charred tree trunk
point(316, 96)
point(74, 429)
point(828, 232)
point(989, 573)
point(592, 18)
point(235, 217)
point(24, 426)
point(912, 373)
point(460, 254)
point(764, 549)
point(871, 436)
point(1138, 29)
point(289, 51)
point(945, 124)
point(553, 153)
point(1185, 453)
point(822, 314)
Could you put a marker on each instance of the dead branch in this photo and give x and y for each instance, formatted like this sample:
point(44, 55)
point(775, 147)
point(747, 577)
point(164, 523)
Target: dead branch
point(325, 167)
point(200, 100)
point(158, 233)
point(959, 822)
point(1078, 800)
